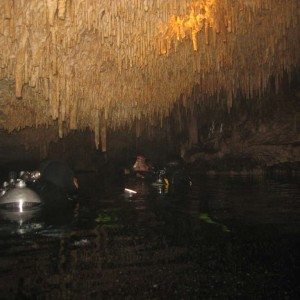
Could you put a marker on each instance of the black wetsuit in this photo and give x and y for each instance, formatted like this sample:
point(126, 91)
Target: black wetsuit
point(59, 174)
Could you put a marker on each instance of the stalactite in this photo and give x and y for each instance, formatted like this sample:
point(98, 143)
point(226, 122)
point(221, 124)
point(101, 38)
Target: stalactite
point(19, 72)
point(97, 129)
point(60, 129)
point(61, 9)
point(52, 8)
point(137, 128)
point(193, 130)
point(134, 59)
point(7, 9)
point(103, 138)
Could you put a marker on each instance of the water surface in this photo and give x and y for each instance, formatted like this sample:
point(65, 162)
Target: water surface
point(227, 237)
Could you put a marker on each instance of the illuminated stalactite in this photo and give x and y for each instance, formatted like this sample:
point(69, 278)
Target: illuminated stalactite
point(135, 59)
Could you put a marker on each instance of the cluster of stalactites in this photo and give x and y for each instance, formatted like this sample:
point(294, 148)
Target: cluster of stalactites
point(100, 64)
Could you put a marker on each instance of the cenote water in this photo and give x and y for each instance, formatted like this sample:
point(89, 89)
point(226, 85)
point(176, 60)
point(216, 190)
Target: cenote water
point(226, 237)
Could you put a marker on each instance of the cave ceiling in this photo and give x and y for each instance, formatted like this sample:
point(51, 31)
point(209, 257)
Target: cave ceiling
point(110, 64)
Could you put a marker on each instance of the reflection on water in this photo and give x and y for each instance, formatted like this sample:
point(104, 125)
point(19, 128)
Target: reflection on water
point(224, 238)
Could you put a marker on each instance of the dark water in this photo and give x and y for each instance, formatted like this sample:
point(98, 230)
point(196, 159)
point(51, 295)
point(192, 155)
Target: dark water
point(224, 238)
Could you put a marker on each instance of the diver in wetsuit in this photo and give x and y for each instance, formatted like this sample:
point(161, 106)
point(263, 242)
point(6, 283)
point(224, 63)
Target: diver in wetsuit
point(59, 174)
point(50, 191)
point(142, 168)
point(176, 173)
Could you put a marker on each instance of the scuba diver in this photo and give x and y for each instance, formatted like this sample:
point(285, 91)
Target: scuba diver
point(172, 173)
point(142, 169)
point(57, 187)
point(59, 174)
point(54, 177)
point(50, 191)
point(173, 176)
point(177, 174)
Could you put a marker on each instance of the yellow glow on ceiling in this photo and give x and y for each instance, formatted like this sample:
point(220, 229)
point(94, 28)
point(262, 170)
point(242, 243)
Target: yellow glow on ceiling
point(201, 16)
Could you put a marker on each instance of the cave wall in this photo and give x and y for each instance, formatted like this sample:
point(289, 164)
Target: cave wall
point(257, 134)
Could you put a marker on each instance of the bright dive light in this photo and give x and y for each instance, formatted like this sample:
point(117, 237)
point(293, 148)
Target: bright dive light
point(21, 206)
point(130, 191)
